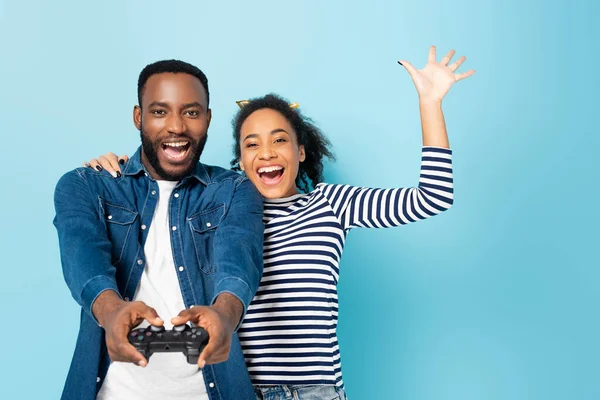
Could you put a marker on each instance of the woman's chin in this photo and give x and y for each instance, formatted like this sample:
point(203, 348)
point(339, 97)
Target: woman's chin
point(276, 191)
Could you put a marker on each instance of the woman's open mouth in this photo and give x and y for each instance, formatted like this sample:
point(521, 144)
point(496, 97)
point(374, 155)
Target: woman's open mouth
point(271, 175)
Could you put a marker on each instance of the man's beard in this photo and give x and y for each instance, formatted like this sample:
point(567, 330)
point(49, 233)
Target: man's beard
point(151, 149)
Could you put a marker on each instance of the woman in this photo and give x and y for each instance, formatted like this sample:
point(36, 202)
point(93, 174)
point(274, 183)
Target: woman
point(289, 333)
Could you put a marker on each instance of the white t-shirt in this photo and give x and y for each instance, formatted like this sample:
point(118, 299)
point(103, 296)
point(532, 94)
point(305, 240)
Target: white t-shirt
point(167, 375)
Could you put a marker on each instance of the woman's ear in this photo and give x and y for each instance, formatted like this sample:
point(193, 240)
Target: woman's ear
point(302, 153)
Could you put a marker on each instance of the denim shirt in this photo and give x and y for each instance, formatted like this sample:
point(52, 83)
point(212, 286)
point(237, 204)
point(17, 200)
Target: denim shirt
point(216, 236)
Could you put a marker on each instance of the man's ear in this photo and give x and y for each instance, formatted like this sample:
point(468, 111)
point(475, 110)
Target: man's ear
point(302, 153)
point(208, 117)
point(137, 117)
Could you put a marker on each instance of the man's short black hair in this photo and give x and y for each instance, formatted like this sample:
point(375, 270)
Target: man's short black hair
point(172, 66)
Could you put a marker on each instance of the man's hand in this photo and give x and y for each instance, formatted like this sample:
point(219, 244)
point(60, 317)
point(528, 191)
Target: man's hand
point(219, 320)
point(118, 318)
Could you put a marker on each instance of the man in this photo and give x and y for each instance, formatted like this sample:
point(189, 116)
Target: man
point(169, 241)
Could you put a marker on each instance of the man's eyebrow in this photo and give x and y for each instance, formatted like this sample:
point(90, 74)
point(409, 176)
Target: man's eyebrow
point(191, 105)
point(158, 104)
point(183, 106)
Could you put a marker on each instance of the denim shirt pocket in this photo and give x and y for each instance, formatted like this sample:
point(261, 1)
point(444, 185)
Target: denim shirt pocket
point(203, 227)
point(118, 220)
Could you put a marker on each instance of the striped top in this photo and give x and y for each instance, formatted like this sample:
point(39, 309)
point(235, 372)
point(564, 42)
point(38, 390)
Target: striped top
point(289, 333)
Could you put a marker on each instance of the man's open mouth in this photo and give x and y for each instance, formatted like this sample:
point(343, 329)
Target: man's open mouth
point(271, 175)
point(176, 151)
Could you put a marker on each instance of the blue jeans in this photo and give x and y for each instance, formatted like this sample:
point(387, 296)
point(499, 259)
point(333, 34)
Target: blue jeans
point(312, 392)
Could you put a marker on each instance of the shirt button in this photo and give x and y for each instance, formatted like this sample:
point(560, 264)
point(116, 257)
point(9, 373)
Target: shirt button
point(140, 262)
point(110, 217)
point(211, 385)
point(145, 173)
point(176, 195)
point(174, 228)
point(208, 225)
point(153, 192)
point(180, 269)
point(126, 299)
point(143, 226)
point(98, 380)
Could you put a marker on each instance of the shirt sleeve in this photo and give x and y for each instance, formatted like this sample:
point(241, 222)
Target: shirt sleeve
point(238, 246)
point(85, 249)
point(383, 208)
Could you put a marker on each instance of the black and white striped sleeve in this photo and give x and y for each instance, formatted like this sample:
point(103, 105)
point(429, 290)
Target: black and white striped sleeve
point(383, 208)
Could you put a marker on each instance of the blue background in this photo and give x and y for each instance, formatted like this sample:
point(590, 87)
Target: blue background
point(495, 299)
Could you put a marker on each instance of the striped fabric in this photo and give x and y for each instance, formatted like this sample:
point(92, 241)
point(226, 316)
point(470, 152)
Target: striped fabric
point(289, 333)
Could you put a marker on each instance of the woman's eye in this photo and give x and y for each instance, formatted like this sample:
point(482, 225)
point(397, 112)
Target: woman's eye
point(280, 140)
point(251, 145)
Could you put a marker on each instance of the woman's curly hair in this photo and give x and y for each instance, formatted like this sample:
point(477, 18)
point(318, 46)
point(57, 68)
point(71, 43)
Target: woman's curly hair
point(316, 145)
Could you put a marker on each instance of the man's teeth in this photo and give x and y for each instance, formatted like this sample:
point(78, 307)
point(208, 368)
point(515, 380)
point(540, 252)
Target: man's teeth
point(269, 169)
point(176, 144)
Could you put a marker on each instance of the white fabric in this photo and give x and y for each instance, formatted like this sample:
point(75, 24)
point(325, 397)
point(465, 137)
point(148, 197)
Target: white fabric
point(167, 375)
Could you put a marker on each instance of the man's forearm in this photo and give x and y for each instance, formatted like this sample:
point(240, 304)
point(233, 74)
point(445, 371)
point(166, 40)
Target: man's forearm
point(230, 306)
point(105, 304)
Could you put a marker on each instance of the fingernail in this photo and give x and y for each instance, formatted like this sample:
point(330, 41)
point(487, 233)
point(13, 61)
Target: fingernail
point(118, 174)
point(121, 161)
point(99, 168)
point(202, 364)
point(114, 174)
point(87, 164)
point(400, 63)
point(142, 363)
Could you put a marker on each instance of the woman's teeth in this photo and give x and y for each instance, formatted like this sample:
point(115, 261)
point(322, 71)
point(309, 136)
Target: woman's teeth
point(269, 169)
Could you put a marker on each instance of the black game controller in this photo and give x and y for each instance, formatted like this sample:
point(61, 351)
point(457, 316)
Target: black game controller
point(182, 338)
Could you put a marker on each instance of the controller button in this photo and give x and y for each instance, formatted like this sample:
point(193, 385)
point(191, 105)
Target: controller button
point(140, 337)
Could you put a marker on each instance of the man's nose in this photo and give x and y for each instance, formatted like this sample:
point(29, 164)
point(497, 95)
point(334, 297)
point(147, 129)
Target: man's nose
point(175, 124)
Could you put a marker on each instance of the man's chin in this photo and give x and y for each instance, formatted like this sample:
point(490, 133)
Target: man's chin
point(175, 171)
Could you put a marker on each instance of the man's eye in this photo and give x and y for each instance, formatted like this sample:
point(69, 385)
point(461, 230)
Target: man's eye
point(280, 140)
point(192, 113)
point(158, 112)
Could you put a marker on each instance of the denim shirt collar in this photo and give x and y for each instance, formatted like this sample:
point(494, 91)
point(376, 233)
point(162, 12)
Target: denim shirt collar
point(135, 166)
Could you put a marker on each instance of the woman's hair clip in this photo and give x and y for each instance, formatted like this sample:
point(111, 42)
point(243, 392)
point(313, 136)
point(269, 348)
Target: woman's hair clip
point(243, 103)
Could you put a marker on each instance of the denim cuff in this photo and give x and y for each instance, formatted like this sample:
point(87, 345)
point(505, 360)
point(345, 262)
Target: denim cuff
point(94, 288)
point(239, 289)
